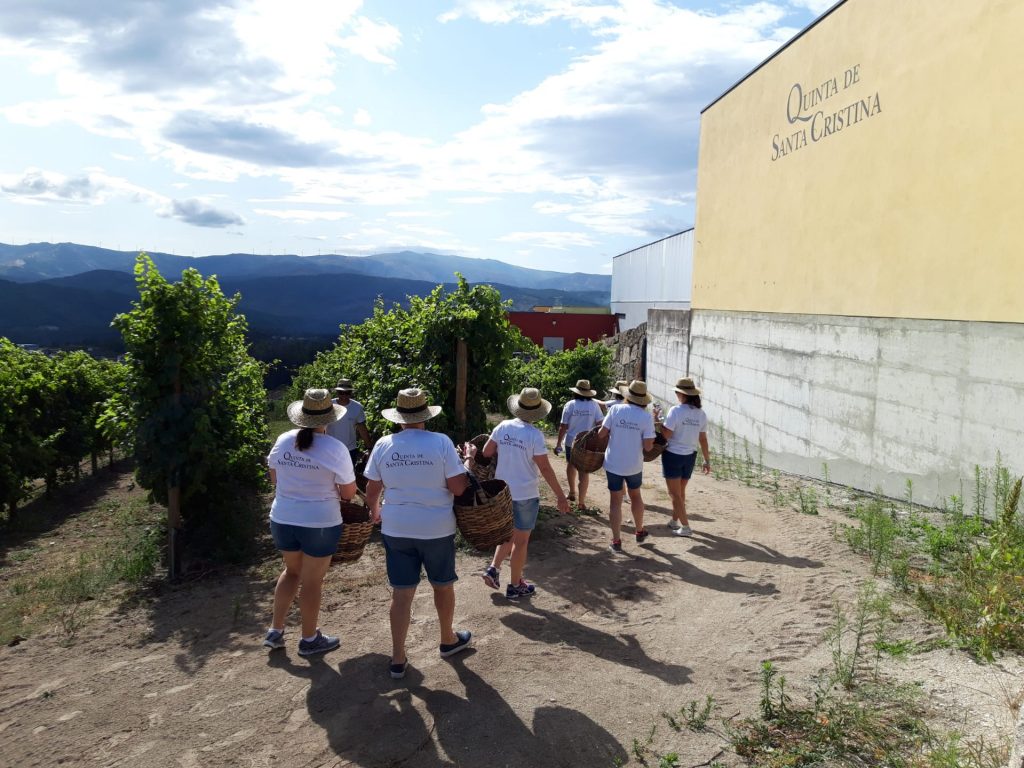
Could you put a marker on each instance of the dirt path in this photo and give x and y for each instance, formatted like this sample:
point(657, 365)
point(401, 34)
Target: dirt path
point(568, 678)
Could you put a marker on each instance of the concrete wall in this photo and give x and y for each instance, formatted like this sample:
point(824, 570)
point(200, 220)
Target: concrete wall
point(869, 168)
point(634, 313)
point(880, 400)
point(668, 336)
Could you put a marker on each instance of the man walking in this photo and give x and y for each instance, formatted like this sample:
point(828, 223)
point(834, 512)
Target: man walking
point(351, 427)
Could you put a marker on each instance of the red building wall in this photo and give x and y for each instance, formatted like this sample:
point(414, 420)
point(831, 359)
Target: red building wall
point(571, 328)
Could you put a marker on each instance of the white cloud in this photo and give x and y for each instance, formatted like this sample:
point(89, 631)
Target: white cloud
point(814, 6)
point(93, 187)
point(304, 216)
point(555, 240)
point(235, 91)
point(199, 213)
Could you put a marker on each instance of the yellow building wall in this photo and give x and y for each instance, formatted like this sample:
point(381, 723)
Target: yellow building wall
point(911, 206)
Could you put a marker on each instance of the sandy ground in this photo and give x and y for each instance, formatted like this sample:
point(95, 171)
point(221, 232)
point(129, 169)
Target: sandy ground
point(568, 678)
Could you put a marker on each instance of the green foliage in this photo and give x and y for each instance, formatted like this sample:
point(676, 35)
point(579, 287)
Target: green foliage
point(554, 373)
point(23, 454)
point(694, 715)
point(979, 595)
point(194, 403)
point(964, 570)
point(48, 415)
point(398, 348)
point(877, 534)
point(875, 723)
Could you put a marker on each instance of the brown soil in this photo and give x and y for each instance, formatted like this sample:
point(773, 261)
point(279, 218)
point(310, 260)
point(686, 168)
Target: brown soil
point(568, 678)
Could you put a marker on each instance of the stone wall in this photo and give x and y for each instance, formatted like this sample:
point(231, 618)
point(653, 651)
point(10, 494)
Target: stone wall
point(629, 348)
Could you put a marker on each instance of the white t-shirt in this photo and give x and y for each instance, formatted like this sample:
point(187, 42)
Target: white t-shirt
point(686, 423)
point(414, 466)
point(629, 425)
point(344, 429)
point(579, 416)
point(306, 495)
point(518, 442)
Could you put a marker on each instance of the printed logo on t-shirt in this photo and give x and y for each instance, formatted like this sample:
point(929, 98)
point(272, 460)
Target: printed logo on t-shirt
point(625, 424)
point(513, 442)
point(398, 459)
point(297, 460)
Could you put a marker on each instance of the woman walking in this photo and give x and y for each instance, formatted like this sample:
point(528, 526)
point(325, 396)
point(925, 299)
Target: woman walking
point(419, 473)
point(522, 459)
point(578, 415)
point(629, 429)
point(310, 471)
point(685, 429)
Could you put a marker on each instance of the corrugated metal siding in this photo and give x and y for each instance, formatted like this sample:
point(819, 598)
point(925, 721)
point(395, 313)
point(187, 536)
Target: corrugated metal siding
point(656, 275)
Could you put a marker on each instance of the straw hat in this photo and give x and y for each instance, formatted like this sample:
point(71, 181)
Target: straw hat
point(315, 409)
point(617, 389)
point(583, 389)
point(411, 408)
point(636, 392)
point(528, 405)
point(344, 385)
point(685, 386)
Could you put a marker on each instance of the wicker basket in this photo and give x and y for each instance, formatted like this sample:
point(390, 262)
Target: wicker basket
point(355, 532)
point(360, 468)
point(588, 451)
point(657, 449)
point(483, 466)
point(484, 513)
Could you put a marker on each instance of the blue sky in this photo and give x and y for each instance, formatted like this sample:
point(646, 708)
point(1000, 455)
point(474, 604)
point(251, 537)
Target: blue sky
point(545, 133)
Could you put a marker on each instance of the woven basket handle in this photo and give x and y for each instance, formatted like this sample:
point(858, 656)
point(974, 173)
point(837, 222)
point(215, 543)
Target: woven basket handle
point(478, 490)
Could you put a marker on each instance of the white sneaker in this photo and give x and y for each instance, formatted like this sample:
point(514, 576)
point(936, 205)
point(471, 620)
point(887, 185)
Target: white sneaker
point(674, 524)
point(684, 530)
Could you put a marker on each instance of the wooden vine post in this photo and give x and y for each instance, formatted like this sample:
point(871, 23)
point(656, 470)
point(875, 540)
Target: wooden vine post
point(460, 385)
point(174, 504)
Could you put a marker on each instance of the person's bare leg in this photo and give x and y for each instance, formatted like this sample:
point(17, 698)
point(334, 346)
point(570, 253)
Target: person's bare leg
point(636, 501)
point(312, 579)
point(584, 486)
point(675, 494)
point(520, 543)
point(501, 553)
point(287, 588)
point(400, 615)
point(570, 476)
point(682, 502)
point(444, 602)
point(615, 513)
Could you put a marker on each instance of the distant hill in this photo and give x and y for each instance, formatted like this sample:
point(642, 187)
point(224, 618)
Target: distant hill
point(43, 261)
point(77, 309)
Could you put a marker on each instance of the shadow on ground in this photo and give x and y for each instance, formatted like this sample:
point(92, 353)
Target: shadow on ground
point(372, 720)
point(713, 547)
point(552, 627)
point(48, 512)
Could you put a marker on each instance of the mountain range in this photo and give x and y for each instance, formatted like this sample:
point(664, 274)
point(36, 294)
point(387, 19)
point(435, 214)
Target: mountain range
point(67, 294)
point(42, 261)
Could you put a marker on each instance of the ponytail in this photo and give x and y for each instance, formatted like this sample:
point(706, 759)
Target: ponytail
point(304, 439)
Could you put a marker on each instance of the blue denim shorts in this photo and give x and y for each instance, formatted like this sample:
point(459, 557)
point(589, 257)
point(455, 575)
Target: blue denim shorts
point(406, 558)
point(315, 542)
point(568, 455)
point(675, 466)
point(524, 514)
point(632, 481)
